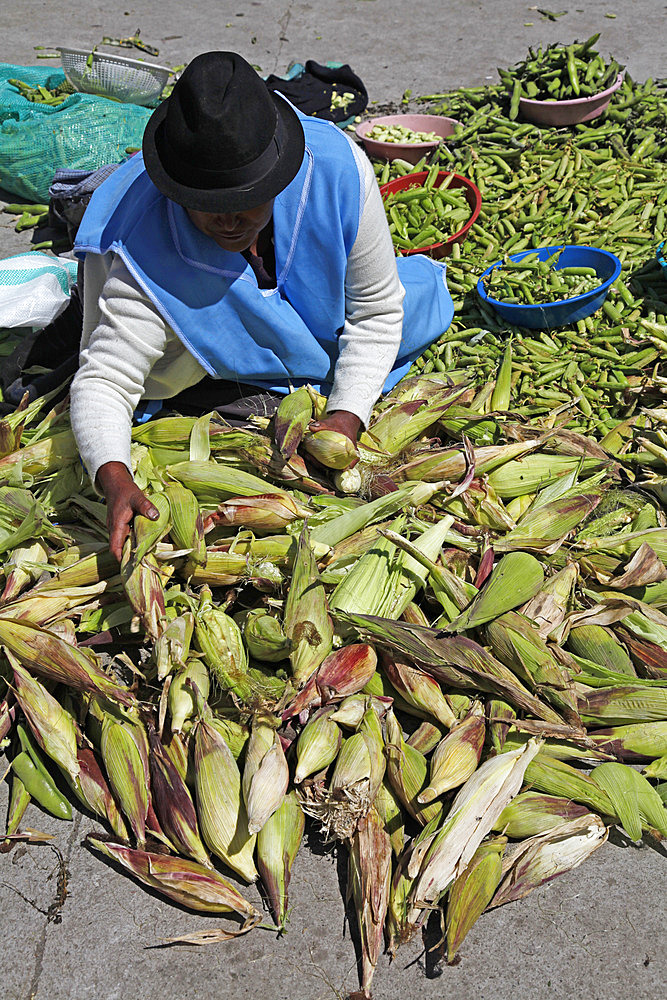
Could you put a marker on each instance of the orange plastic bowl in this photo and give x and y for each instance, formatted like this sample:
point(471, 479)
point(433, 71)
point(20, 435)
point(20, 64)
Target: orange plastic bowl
point(473, 197)
point(411, 152)
point(580, 109)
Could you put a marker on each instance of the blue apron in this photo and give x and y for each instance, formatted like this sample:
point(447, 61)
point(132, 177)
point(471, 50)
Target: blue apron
point(273, 338)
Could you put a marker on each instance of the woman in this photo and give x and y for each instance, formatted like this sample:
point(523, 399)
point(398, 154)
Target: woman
point(246, 252)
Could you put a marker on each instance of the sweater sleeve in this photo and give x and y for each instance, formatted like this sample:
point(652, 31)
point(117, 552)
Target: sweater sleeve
point(123, 337)
point(369, 342)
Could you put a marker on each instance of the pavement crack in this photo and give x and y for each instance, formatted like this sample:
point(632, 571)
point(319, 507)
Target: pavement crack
point(282, 34)
point(53, 913)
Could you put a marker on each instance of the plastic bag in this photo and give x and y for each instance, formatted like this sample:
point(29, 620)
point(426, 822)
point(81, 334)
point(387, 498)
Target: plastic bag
point(34, 289)
point(84, 132)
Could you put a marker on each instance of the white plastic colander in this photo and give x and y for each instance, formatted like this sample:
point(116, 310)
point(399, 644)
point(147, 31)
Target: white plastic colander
point(128, 80)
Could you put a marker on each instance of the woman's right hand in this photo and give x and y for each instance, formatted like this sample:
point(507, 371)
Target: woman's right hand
point(124, 500)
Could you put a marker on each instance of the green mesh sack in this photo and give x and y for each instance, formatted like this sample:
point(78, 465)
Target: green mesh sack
point(82, 133)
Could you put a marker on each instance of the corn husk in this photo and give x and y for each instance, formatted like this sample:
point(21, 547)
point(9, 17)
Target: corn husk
point(407, 773)
point(536, 471)
point(172, 648)
point(472, 815)
point(143, 585)
point(92, 789)
point(370, 883)
point(456, 757)
point(181, 697)
point(389, 810)
point(635, 801)
point(419, 690)
point(472, 892)
point(52, 727)
point(19, 800)
point(531, 813)
point(278, 844)
point(173, 804)
point(596, 643)
point(291, 419)
point(426, 737)
point(125, 754)
point(517, 577)
point(555, 777)
point(187, 526)
point(657, 768)
point(634, 742)
point(264, 636)
point(222, 815)
point(212, 482)
point(330, 448)
point(307, 621)
point(265, 776)
point(47, 655)
point(619, 706)
point(344, 672)
point(500, 717)
point(542, 858)
point(184, 882)
point(219, 639)
point(23, 567)
point(317, 746)
point(267, 513)
point(548, 608)
point(545, 528)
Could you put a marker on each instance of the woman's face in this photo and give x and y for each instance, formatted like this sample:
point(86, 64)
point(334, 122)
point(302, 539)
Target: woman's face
point(233, 231)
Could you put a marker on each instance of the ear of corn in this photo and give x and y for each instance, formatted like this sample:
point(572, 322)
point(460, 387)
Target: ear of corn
point(541, 858)
point(19, 800)
point(22, 567)
point(219, 639)
point(419, 690)
point(317, 745)
point(265, 776)
point(187, 526)
point(222, 816)
point(330, 448)
point(456, 757)
point(264, 637)
point(531, 813)
point(92, 789)
point(389, 811)
point(633, 742)
point(596, 643)
point(173, 646)
point(555, 777)
point(500, 717)
point(635, 801)
point(517, 577)
point(472, 892)
point(307, 621)
point(52, 726)
point(291, 420)
point(406, 773)
point(619, 706)
point(278, 844)
point(125, 761)
point(370, 882)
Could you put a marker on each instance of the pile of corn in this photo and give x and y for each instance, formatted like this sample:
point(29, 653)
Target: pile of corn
point(446, 656)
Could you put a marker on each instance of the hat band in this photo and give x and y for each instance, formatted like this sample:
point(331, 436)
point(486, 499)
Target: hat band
point(250, 173)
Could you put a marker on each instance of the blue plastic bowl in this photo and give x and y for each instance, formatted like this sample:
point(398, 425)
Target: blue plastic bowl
point(660, 254)
point(552, 314)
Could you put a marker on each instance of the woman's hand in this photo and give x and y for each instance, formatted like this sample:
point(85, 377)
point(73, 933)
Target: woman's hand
point(342, 421)
point(124, 500)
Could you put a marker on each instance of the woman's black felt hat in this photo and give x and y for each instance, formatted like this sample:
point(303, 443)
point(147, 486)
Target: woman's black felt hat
point(221, 142)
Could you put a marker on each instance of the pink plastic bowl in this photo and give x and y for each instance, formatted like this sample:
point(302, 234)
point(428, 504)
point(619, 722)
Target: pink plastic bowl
point(411, 152)
point(581, 109)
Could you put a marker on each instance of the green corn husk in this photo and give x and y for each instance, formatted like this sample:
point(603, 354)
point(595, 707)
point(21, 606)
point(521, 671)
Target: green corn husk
point(317, 746)
point(44, 608)
point(235, 734)
point(220, 569)
point(426, 737)
point(518, 645)
point(555, 777)
point(147, 533)
point(52, 727)
point(40, 459)
point(472, 892)
point(596, 643)
point(391, 814)
point(222, 815)
point(124, 752)
point(635, 801)
point(47, 655)
point(545, 528)
point(472, 815)
point(307, 621)
point(576, 747)
point(456, 757)
point(187, 526)
point(420, 691)
point(173, 804)
point(530, 473)
point(265, 514)
point(142, 582)
point(633, 742)
point(181, 696)
point(371, 731)
point(264, 636)
point(184, 882)
point(278, 844)
point(618, 706)
point(450, 590)
point(370, 883)
point(265, 776)
point(220, 641)
point(212, 482)
point(657, 768)
point(291, 420)
point(542, 858)
point(400, 424)
point(500, 717)
point(407, 773)
point(517, 577)
point(531, 813)
point(92, 789)
point(330, 448)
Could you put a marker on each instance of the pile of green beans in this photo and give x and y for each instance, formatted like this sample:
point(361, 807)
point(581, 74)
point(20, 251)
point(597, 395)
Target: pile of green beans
point(426, 214)
point(29, 215)
point(601, 184)
point(399, 133)
point(532, 281)
point(559, 73)
point(41, 95)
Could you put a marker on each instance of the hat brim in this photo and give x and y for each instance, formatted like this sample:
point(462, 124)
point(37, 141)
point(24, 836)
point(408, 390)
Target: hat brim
point(226, 199)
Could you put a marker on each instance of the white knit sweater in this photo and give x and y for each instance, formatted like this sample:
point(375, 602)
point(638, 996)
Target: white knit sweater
point(128, 351)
